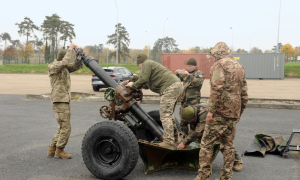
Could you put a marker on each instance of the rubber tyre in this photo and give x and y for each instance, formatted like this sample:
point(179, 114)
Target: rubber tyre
point(146, 134)
point(110, 150)
point(95, 88)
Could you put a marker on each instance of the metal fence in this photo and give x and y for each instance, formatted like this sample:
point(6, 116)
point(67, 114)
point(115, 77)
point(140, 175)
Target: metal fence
point(34, 59)
point(40, 59)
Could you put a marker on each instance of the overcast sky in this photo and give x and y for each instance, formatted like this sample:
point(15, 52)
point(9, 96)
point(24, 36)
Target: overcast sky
point(191, 22)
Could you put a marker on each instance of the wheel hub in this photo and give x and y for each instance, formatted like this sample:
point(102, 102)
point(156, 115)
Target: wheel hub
point(107, 151)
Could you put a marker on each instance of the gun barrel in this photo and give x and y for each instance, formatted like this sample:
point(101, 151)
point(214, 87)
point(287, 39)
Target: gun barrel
point(138, 112)
point(101, 74)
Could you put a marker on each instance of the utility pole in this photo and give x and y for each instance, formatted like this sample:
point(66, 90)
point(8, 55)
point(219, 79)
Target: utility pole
point(148, 45)
point(107, 54)
point(232, 40)
point(278, 27)
point(117, 34)
point(251, 42)
point(164, 36)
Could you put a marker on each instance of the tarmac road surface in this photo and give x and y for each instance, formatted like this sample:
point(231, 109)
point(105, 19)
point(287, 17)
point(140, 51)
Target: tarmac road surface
point(27, 127)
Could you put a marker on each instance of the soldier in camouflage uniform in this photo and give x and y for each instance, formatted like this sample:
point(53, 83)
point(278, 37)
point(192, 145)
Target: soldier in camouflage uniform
point(192, 79)
point(227, 101)
point(195, 117)
point(161, 80)
point(59, 74)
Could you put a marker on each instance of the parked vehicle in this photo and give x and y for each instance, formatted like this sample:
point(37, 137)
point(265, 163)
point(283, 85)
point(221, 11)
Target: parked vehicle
point(119, 74)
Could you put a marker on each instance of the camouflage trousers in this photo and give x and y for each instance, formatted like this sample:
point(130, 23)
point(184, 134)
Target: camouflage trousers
point(223, 130)
point(188, 102)
point(62, 115)
point(167, 105)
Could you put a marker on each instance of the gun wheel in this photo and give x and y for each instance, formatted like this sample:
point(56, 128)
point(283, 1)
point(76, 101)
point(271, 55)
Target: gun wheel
point(110, 150)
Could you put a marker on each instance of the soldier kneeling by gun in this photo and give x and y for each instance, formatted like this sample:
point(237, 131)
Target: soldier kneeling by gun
point(194, 120)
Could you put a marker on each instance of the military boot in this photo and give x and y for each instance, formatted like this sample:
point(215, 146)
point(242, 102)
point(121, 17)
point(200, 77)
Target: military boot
point(51, 151)
point(166, 145)
point(238, 167)
point(60, 153)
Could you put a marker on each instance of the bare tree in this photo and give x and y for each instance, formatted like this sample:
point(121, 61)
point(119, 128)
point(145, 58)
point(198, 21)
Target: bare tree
point(256, 50)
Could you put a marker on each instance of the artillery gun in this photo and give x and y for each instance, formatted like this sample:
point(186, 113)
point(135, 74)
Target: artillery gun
point(110, 148)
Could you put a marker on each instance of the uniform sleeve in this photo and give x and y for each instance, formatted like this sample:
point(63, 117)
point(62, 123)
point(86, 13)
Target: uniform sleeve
point(217, 83)
point(144, 76)
point(58, 66)
point(195, 134)
point(191, 137)
point(197, 80)
point(244, 95)
point(181, 76)
point(145, 86)
point(74, 66)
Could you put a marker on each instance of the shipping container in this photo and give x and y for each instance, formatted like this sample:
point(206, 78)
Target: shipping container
point(178, 61)
point(257, 65)
point(262, 65)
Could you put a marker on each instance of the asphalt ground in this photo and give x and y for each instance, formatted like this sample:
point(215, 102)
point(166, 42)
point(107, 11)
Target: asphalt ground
point(27, 127)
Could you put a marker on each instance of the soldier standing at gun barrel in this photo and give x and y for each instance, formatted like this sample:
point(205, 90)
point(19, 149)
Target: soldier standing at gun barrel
point(227, 101)
point(59, 74)
point(161, 80)
point(192, 79)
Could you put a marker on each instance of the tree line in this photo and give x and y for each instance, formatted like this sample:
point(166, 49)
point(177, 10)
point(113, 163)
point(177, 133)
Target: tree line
point(55, 29)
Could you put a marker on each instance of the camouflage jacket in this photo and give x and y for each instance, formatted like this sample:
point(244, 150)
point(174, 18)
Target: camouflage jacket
point(228, 92)
point(196, 79)
point(197, 127)
point(59, 74)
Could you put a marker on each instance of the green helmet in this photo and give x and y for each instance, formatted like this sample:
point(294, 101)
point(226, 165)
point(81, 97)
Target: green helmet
point(188, 113)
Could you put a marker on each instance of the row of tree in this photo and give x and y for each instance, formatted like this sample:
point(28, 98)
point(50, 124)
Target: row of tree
point(55, 29)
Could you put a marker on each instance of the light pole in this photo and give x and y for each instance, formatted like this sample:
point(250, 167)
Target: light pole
point(107, 54)
point(148, 45)
point(2, 53)
point(251, 42)
point(232, 40)
point(117, 34)
point(278, 28)
point(164, 35)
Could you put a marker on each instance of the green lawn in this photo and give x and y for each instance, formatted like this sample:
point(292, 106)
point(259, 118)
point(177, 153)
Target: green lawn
point(43, 68)
point(292, 69)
